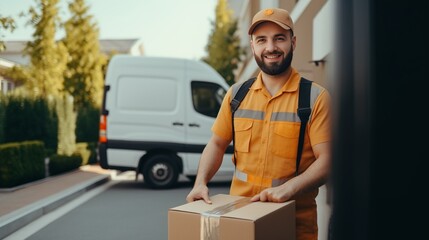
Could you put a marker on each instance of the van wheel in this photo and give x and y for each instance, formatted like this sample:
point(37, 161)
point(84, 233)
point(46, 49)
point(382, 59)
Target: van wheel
point(161, 172)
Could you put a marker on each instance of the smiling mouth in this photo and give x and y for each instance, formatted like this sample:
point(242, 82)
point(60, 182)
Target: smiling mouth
point(273, 57)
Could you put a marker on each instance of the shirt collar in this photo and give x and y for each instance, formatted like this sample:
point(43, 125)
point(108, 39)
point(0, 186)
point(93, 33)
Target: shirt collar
point(290, 86)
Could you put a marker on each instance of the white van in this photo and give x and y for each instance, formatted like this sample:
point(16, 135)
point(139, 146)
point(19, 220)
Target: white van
point(156, 117)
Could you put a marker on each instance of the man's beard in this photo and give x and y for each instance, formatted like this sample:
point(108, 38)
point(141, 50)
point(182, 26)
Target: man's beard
point(275, 68)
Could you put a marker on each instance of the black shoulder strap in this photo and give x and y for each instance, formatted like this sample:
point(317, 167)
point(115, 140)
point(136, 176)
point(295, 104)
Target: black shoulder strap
point(235, 102)
point(241, 93)
point(304, 112)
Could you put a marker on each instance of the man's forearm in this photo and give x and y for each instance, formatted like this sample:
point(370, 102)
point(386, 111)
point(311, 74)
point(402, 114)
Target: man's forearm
point(208, 166)
point(317, 173)
point(211, 160)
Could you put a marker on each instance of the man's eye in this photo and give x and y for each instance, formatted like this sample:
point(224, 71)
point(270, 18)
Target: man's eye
point(260, 40)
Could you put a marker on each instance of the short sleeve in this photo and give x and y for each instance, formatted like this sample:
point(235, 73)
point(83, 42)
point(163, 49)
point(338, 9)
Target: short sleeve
point(223, 123)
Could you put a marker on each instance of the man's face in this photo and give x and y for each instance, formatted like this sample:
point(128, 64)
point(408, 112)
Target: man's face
point(273, 48)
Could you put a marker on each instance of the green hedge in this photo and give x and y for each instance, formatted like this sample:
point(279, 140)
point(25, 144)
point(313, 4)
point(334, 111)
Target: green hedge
point(25, 118)
point(29, 119)
point(21, 163)
point(92, 147)
point(88, 152)
point(2, 118)
point(87, 124)
point(61, 163)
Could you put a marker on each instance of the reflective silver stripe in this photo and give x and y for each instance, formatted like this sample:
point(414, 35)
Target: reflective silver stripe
point(259, 115)
point(315, 92)
point(285, 117)
point(251, 114)
point(242, 176)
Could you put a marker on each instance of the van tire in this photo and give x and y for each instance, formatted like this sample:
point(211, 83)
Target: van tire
point(161, 171)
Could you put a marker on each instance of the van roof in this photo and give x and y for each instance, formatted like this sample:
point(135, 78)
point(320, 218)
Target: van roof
point(170, 62)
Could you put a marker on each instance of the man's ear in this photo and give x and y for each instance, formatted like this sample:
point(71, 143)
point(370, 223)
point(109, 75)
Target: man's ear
point(251, 46)
point(293, 42)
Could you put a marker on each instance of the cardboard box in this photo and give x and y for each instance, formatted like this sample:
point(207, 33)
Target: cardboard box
point(232, 218)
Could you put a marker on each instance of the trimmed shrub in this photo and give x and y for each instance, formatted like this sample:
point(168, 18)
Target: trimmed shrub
point(2, 118)
point(88, 151)
point(62, 163)
point(92, 147)
point(30, 119)
point(87, 124)
point(21, 163)
point(82, 149)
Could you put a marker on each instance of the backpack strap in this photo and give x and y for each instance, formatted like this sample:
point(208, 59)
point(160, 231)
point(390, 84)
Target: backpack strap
point(241, 93)
point(304, 112)
point(235, 103)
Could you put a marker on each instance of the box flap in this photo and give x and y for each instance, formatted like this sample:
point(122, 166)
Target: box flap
point(258, 210)
point(200, 206)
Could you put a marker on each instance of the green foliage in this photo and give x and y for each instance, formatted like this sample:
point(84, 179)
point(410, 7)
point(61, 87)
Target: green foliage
point(87, 124)
point(21, 163)
point(30, 119)
point(87, 151)
point(61, 163)
point(2, 118)
point(6, 23)
point(19, 76)
point(92, 147)
point(74, 64)
point(84, 74)
point(66, 125)
point(224, 50)
point(83, 151)
point(48, 57)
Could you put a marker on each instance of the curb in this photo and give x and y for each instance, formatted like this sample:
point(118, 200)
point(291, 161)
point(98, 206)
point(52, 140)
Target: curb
point(13, 221)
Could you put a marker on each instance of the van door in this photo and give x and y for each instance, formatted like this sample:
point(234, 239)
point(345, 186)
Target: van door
point(147, 111)
point(202, 108)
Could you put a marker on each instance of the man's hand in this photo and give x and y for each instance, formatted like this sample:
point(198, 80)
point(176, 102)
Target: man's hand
point(199, 192)
point(278, 194)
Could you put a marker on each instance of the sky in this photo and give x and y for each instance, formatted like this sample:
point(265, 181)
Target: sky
point(167, 28)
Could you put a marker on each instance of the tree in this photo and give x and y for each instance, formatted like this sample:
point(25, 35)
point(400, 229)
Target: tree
point(66, 125)
point(84, 74)
point(16, 73)
point(6, 23)
point(47, 57)
point(223, 48)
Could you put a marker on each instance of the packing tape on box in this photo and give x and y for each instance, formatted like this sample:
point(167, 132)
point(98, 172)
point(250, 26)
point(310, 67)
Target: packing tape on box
point(209, 229)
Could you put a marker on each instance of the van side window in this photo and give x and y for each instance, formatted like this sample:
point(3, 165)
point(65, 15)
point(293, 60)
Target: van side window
point(207, 97)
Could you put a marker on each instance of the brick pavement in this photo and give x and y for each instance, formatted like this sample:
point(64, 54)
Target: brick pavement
point(23, 204)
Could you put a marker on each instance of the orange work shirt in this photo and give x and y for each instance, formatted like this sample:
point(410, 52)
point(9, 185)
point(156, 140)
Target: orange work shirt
point(266, 141)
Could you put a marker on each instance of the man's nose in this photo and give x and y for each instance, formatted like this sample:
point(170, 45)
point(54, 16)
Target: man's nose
point(271, 46)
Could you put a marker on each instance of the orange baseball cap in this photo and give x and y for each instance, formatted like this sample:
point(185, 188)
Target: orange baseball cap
point(276, 15)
